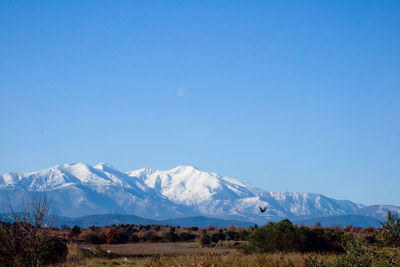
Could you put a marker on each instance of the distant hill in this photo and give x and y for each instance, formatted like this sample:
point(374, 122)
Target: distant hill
point(205, 221)
point(102, 220)
point(110, 219)
point(341, 221)
point(200, 221)
point(377, 211)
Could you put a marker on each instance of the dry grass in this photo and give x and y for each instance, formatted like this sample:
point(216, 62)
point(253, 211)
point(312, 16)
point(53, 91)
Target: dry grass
point(151, 249)
point(238, 259)
point(213, 260)
point(189, 254)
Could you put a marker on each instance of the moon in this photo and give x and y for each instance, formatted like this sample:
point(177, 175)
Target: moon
point(181, 92)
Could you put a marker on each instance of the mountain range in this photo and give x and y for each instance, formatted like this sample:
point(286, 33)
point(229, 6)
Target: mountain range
point(77, 190)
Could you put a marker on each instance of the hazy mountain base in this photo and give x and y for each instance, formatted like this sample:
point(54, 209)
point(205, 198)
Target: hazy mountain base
point(200, 221)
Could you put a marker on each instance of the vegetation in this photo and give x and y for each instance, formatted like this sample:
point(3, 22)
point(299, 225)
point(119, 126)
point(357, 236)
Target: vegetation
point(287, 237)
point(390, 233)
point(30, 241)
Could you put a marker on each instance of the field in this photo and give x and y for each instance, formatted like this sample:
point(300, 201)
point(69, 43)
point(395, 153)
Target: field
point(156, 249)
point(189, 254)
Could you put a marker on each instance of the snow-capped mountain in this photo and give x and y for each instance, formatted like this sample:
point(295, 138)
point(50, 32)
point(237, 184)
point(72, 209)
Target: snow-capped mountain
point(378, 211)
point(214, 195)
point(80, 189)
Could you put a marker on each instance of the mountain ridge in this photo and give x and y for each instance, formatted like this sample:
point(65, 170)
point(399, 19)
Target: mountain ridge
point(79, 189)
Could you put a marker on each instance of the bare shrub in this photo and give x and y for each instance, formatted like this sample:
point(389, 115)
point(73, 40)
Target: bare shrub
point(27, 240)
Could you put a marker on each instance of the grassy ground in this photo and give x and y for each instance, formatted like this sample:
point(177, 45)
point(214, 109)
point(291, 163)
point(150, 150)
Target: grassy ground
point(186, 254)
point(190, 254)
point(209, 260)
point(152, 249)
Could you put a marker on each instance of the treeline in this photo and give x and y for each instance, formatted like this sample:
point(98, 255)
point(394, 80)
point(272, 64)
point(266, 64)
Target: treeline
point(130, 233)
point(288, 237)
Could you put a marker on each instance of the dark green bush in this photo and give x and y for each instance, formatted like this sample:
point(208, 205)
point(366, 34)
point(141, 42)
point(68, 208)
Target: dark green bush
point(53, 251)
point(284, 236)
point(205, 240)
point(133, 238)
point(171, 236)
point(75, 231)
point(232, 235)
point(184, 236)
point(215, 237)
point(359, 254)
point(243, 235)
point(95, 239)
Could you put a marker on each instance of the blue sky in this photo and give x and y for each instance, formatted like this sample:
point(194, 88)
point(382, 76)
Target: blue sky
point(285, 96)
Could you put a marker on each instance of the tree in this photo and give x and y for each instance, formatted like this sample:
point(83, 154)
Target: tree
point(390, 233)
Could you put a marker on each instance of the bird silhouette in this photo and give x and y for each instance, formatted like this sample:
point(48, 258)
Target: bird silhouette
point(263, 209)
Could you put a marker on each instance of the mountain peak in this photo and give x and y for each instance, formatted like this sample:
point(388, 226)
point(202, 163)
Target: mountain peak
point(72, 165)
point(104, 166)
point(185, 168)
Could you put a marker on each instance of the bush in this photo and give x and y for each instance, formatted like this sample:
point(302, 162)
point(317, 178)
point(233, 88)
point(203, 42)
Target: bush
point(133, 238)
point(286, 237)
point(75, 231)
point(359, 254)
point(274, 237)
point(93, 238)
point(390, 232)
point(28, 241)
point(205, 240)
point(232, 235)
point(243, 235)
point(320, 239)
point(184, 236)
point(113, 235)
point(54, 251)
point(171, 236)
point(217, 236)
point(150, 236)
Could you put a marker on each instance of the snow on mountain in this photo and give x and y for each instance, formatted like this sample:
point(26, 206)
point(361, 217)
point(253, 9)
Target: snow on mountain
point(378, 211)
point(214, 195)
point(80, 189)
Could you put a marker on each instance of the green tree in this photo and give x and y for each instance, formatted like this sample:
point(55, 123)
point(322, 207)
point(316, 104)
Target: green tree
point(281, 236)
point(390, 233)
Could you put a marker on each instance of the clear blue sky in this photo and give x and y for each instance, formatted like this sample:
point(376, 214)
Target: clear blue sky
point(285, 96)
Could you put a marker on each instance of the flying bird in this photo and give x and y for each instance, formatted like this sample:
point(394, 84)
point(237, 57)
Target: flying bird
point(263, 209)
